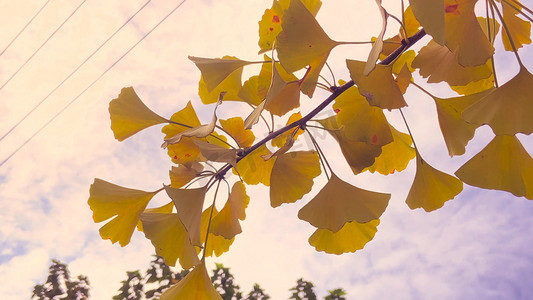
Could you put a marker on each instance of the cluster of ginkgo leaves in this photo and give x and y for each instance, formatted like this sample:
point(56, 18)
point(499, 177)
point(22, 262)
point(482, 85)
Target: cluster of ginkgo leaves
point(459, 53)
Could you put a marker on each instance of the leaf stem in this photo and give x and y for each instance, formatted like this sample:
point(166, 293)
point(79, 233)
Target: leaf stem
point(321, 155)
point(507, 32)
point(410, 133)
point(422, 89)
point(209, 223)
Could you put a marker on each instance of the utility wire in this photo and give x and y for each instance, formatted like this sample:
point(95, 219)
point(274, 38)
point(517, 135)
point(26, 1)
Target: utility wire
point(24, 28)
point(92, 83)
point(73, 72)
point(42, 45)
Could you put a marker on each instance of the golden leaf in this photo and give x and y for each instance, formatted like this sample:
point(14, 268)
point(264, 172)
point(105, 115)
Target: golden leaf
point(301, 43)
point(196, 285)
point(170, 239)
point(129, 115)
point(292, 176)
point(230, 86)
point(226, 222)
point(216, 244)
point(339, 202)
point(189, 204)
point(217, 154)
point(507, 109)
point(235, 127)
point(379, 88)
point(431, 187)
point(430, 14)
point(181, 175)
point(504, 165)
point(353, 236)
point(109, 200)
point(519, 29)
point(253, 169)
point(165, 209)
point(215, 70)
point(394, 156)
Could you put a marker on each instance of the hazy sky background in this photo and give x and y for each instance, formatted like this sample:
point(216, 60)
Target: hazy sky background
point(476, 246)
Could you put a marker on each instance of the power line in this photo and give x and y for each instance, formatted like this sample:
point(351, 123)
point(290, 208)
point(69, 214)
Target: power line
point(73, 72)
point(24, 28)
point(42, 45)
point(92, 83)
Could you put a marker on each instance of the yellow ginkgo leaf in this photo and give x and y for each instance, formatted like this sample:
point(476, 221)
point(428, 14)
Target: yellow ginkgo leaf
point(215, 70)
point(475, 86)
point(217, 154)
point(455, 130)
point(270, 24)
point(198, 131)
point(301, 43)
point(403, 79)
point(281, 139)
point(186, 152)
point(170, 239)
point(253, 169)
point(129, 115)
point(196, 285)
point(379, 88)
point(440, 64)
point(230, 86)
point(430, 14)
point(226, 222)
point(109, 200)
point(404, 60)
point(394, 156)
point(282, 96)
point(216, 244)
point(181, 175)
point(351, 237)
point(235, 127)
point(255, 89)
point(359, 155)
point(339, 202)
point(362, 122)
point(431, 187)
point(189, 204)
point(411, 23)
point(503, 165)
point(464, 35)
point(519, 29)
point(377, 47)
point(254, 116)
point(507, 109)
point(292, 176)
point(165, 209)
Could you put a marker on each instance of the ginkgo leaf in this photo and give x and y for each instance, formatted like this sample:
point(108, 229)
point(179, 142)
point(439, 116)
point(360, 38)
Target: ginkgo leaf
point(351, 237)
point(217, 154)
point(129, 115)
point(108, 200)
point(411, 23)
point(358, 155)
point(362, 122)
point(431, 187)
point(455, 130)
point(404, 60)
point(379, 88)
point(281, 139)
point(339, 202)
point(253, 169)
point(230, 86)
point(440, 64)
point(196, 285)
point(474, 86)
point(254, 90)
point(226, 222)
point(165, 209)
point(189, 204)
point(270, 24)
point(504, 165)
point(185, 152)
point(282, 96)
point(216, 244)
point(170, 239)
point(394, 156)
point(181, 175)
point(403, 80)
point(292, 176)
point(430, 14)
point(215, 70)
point(464, 35)
point(235, 127)
point(198, 131)
point(254, 116)
point(507, 109)
point(301, 43)
point(519, 29)
point(377, 47)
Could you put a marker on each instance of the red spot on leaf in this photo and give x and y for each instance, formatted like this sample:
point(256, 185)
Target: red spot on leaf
point(336, 110)
point(187, 155)
point(271, 29)
point(175, 157)
point(374, 139)
point(452, 9)
point(275, 18)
